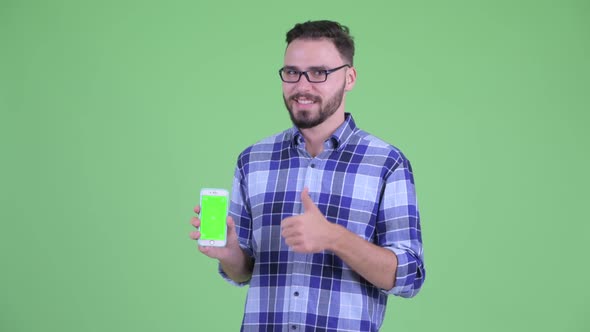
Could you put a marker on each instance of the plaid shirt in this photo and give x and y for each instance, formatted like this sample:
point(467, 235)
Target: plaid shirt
point(359, 182)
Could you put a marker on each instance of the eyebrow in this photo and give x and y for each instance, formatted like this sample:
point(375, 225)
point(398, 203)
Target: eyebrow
point(309, 69)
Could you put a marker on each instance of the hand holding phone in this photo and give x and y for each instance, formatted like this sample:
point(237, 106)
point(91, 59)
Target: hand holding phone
point(214, 206)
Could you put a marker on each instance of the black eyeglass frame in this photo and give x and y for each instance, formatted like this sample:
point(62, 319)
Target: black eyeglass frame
point(301, 73)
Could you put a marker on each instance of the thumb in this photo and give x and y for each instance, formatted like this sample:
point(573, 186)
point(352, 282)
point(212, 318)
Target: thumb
point(231, 225)
point(308, 204)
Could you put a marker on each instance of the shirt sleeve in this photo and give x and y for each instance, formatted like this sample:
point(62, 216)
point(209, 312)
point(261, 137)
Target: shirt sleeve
point(239, 211)
point(398, 230)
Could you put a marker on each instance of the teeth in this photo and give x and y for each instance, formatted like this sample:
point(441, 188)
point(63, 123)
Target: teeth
point(304, 101)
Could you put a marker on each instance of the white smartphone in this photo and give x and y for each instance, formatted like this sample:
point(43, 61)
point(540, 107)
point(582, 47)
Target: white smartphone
point(214, 205)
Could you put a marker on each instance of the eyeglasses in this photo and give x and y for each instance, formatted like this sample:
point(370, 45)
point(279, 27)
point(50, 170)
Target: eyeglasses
point(290, 75)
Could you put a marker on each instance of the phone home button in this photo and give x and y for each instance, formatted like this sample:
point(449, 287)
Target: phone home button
point(211, 242)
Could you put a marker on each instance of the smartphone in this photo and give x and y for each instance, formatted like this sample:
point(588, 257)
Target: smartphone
point(214, 205)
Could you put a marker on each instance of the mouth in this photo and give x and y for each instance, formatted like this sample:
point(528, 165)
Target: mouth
point(305, 99)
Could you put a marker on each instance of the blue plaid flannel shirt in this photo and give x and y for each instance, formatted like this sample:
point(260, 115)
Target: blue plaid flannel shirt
point(359, 182)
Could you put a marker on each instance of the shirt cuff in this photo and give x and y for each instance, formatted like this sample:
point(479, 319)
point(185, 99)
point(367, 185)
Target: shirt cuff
point(409, 275)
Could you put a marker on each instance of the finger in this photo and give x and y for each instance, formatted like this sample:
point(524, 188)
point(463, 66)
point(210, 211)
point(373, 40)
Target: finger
point(197, 209)
point(289, 236)
point(195, 235)
point(290, 232)
point(231, 225)
point(285, 233)
point(288, 222)
point(293, 242)
point(288, 242)
point(196, 222)
point(308, 204)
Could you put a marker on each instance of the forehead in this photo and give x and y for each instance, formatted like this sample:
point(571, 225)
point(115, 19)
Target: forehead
point(308, 52)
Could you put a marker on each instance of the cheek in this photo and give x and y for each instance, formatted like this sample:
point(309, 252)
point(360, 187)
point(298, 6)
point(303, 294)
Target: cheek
point(329, 93)
point(287, 89)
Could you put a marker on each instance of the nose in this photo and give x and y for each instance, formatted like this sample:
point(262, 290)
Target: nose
point(303, 84)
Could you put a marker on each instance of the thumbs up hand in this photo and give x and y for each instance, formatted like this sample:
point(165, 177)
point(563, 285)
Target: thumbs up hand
point(309, 232)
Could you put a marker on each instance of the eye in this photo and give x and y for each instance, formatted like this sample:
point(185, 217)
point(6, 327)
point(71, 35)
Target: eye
point(318, 73)
point(291, 72)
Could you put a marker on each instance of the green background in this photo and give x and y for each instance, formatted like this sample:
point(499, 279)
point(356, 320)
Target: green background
point(114, 114)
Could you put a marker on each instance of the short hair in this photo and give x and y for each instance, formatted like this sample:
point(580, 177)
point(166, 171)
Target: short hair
point(334, 31)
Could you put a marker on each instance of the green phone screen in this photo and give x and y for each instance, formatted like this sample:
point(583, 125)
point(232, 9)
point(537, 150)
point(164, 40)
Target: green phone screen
point(213, 215)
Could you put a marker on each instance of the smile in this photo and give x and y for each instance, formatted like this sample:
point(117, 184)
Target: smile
point(304, 101)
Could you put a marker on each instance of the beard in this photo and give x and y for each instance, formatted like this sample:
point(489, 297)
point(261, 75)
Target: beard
point(308, 118)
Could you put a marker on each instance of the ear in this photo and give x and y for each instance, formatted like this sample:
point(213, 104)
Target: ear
point(350, 78)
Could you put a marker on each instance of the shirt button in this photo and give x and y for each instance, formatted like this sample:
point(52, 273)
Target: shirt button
point(296, 293)
point(312, 165)
point(293, 327)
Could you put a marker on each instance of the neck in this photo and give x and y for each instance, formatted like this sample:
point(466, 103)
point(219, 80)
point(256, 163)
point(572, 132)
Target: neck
point(316, 136)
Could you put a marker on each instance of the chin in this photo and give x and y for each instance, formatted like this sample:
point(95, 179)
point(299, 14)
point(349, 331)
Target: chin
point(305, 115)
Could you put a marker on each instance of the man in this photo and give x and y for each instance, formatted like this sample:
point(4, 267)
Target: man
point(323, 220)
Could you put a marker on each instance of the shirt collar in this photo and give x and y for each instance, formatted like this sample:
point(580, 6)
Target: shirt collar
point(337, 139)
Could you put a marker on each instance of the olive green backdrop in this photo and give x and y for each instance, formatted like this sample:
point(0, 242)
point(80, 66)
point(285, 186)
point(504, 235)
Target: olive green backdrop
point(115, 113)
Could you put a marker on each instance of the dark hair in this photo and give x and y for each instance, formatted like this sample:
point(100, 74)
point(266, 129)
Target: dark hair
point(337, 33)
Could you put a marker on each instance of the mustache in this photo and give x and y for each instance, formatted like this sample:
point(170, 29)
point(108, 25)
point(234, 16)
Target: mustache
point(306, 96)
